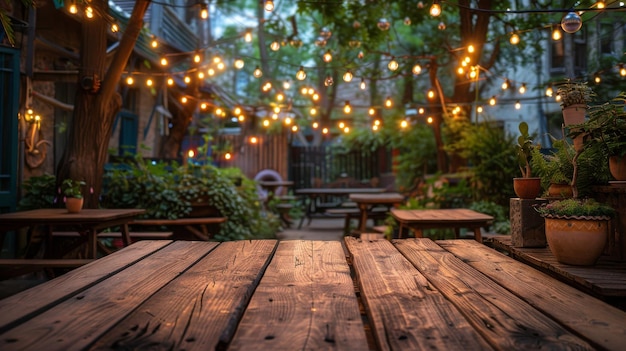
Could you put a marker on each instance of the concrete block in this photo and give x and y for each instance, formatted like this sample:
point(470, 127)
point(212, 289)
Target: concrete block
point(527, 226)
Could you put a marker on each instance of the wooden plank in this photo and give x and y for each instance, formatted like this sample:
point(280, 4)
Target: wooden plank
point(43, 263)
point(505, 321)
point(179, 221)
point(201, 308)
point(600, 323)
point(90, 313)
point(133, 235)
point(405, 311)
point(305, 301)
point(43, 296)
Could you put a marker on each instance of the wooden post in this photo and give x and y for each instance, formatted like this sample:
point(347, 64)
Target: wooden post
point(527, 226)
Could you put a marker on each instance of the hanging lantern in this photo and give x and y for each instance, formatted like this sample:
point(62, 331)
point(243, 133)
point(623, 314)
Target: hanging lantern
point(571, 22)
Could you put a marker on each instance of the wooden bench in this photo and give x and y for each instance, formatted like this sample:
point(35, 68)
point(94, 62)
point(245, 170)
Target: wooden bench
point(118, 235)
point(194, 225)
point(16, 267)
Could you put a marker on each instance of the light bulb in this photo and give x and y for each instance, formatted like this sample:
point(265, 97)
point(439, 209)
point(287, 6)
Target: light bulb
point(556, 34)
point(417, 69)
point(196, 58)
point(275, 46)
point(435, 9)
point(549, 91)
point(73, 9)
point(187, 80)
point(325, 33)
point(315, 125)
point(239, 63)
point(257, 72)
point(347, 108)
point(622, 71)
point(404, 124)
point(280, 97)
point(204, 11)
point(324, 130)
point(301, 74)
point(388, 102)
point(266, 123)
point(269, 5)
point(115, 28)
point(362, 85)
point(371, 111)
point(393, 64)
point(184, 100)
point(430, 94)
point(89, 12)
point(597, 79)
point(518, 105)
point(328, 56)
point(341, 125)
point(130, 80)
point(514, 39)
point(506, 84)
point(571, 22)
point(247, 37)
point(313, 111)
point(522, 88)
point(347, 77)
point(149, 82)
point(328, 81)
point(492, 101)
point(383, 24)
point(163, 61)
point(471, 49)
point(170, 81)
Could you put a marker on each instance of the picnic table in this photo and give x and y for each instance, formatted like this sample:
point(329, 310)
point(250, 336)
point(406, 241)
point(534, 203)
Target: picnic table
point(366, 203)
point(299, 295)
point(454, 218)
point(313, 208)
point(87, 222)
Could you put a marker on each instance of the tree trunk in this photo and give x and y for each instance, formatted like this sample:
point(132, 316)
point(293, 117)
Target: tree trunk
point(95, 107)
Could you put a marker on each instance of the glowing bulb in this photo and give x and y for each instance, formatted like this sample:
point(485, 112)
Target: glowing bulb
point(239, 63)
point(269, 5)
point(310, 91)
point(115, 28)
point(294, 128)
point(371, 111)
point(556, 34)
point(287, 121)
point(421, 111)
point(430, 94)
point(203, 106)
point(163, 61)
point(280, 97)
point(210, 71)
point(89, 12)
point(622, 71)
point(362, 85)
point(492, 101)
point(393, 65)
point(149, 82)
point(241, 118)
point(257, 72)
point(549, 91)
point(522, 88)
point(154, 43)
point(200, 75)
point(505, 84)
point(187, 79)
point(204, 11)
point(191, 153)
point(315, 97)
point(518, 105)
point(327, 57)
point(247, 37)
point(313, 111)
point(253, 140)
point(417, 69)
point(346, 130)
point(479, 109)
point(315, 125)
point(218, 111)
point(275, 46)
point(347, 108)
point(196, 58)
point(227, 156)
point(324, 130)
point(130, 80)
point(471, 49)
point(435, 9)
point(404, 124)
point(73, 9)
point(514, 39)
point(388, 102)
point(341, 125)
point(301, 74)
point(266, 123)
point(460, 71)
point(597, 79)
point(429, 120)
point(347, 77)
point(184, 100)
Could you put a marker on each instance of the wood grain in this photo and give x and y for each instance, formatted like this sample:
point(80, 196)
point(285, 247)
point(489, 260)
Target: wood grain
point(305, 301)
point(201, 308)
point(90, 313)
point(600, 323)
point(504, 320)
point(405, 310)
point(41, 297)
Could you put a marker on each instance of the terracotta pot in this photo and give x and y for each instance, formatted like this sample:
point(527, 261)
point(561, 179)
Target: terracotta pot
point(527, 188)
point(560, 190)
point(576, 241)
point(74, 205)
point(575, 114)
point(617, 166)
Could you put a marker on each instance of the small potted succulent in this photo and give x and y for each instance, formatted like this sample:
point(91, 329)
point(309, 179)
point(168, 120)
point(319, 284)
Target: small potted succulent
point(73, 195)
point(576, 229)
point(526, 187)
point(574, 98)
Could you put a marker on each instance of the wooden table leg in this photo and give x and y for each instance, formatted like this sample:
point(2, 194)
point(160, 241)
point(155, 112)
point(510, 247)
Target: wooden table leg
point(478, 235)
point(92, 243)
point(125, 234)
point(363, 219)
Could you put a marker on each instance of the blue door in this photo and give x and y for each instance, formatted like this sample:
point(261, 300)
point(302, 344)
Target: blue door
point(9, 92)
point(128, 133)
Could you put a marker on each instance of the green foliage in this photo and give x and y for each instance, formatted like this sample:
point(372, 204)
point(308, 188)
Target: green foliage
point(605, 130)
point(491, 154)
point(574, 93)
point(557, 167)
point(575, 207)
point(524, 150)
point(168, 191)
point(72, 188)
point(39, 192)
point(501, 223)
point(417, 153)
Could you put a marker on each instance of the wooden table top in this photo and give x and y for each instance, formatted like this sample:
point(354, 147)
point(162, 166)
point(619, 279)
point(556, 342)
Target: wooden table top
point(378, 198)
point(338, 191)
point(300, 295)
point(60, 216)
point(452, 215)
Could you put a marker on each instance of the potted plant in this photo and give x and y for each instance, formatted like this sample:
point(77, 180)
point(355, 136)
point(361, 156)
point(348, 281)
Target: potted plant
point(526, 187)
point(73, 196)
point(605, 133)
point(574, 98)
point(576, 229)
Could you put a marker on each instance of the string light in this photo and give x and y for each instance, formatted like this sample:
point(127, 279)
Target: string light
point(149, 82)
point(294, 128)
point(275, 46)
point(239, 63)
point(328, 81)
point(247, 37)
point(164, 61)
point(518, 105)
point(435, 9)
point(347, 77)
point(204, 11)
point(114, 27)
point(154, 42)
point(313, 111)
point(522, 88)
point(393, 64)
point(301, 74)
point(89, 12)
point(130, 80)
point(347, 108)
point(315, 125)
point(417, 69)
point(187, 79)
point(269, 5)
point(471, 49)
point(184, 100)
point(622, 70)
point(388, 102)
point(549, 91)
point(479, 109)
point(506, 84)
point(257, 72)
point(430, 94)
point(324, 130)
point(328, 56)
point(170, 81)
point(514, 39)
point(362, 85)
point(492, 101)
point(556, 34)
point(73, 8)
point(404, 124)
point(371, 111)
point(596, 78)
